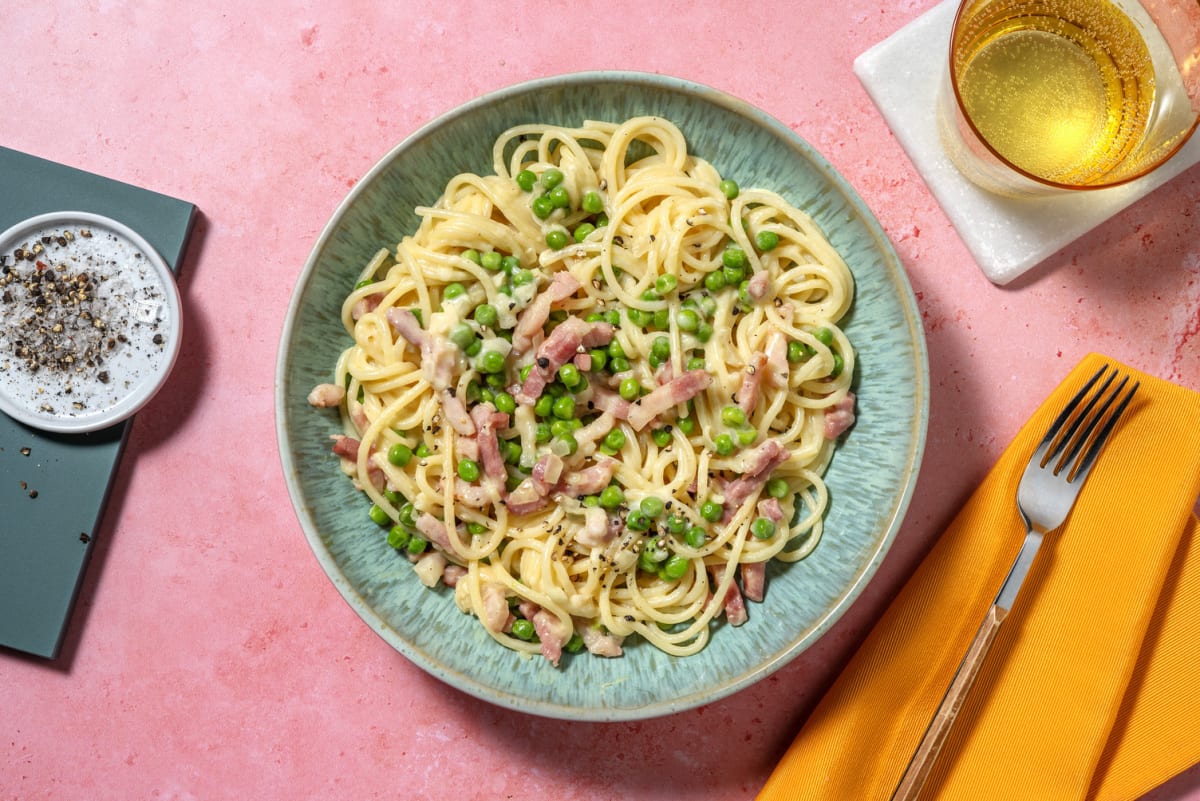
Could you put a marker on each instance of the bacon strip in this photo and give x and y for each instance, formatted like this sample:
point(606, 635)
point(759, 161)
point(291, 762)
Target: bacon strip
point(754, 580)
point(487, 420)
point(678, 390)
point(435, 531)
point(840, 417)
point(535, 315)
point(559, 348)
point(752, 378)
point(438, 355)
point(326, 395)
point(759, 464)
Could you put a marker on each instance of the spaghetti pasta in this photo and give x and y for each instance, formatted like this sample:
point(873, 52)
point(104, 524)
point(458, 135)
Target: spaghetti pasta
point(597, 391)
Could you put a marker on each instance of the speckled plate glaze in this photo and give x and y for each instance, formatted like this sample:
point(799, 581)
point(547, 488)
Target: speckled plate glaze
point(870, 480)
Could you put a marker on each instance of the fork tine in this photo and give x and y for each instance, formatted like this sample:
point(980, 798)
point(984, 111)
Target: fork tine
point(1056, 428)
point(1076, 438)
point(1083, 467)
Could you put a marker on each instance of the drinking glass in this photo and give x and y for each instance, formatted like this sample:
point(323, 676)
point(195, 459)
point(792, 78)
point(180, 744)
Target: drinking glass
point(1045, 96)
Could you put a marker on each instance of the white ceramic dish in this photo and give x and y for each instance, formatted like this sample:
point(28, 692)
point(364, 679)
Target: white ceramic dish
point(90, 322)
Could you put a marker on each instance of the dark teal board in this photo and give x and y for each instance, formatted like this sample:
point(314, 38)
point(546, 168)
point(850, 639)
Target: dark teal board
point(53, 488)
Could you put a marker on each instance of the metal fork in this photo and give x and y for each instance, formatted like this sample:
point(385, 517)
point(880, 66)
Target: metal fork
point(1048, 489)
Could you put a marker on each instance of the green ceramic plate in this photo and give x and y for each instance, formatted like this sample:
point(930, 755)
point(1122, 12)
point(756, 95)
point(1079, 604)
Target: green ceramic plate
point(870, 480)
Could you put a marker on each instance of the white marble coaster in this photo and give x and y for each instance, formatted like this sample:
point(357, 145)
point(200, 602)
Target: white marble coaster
point(1007, 236)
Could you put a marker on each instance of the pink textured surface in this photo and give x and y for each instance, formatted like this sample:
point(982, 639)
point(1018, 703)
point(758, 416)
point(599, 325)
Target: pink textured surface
point(210, 657)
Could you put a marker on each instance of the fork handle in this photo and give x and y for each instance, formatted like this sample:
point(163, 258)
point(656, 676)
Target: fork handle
point(919, 768)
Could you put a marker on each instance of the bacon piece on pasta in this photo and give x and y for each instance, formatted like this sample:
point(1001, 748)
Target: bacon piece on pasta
point(435, 531)
point(455, 413)
point(368, 304)
point(525, 499)
point(754, 580)
point(678, 390)
point(438, 355)
point(535, 315)
point(552, 632)
point(778, 370)
point(560, 347)
point(325, 396)
point(758, 466)
point(591, 479)
point(495, 614)
point(348, 447)
point(770, 509)
point(759, 285)
point(839, 417)
point(598, 641)
point(596, 531)
point(608, 401)
point(451, 574)
point(735, 606)
point(752, 378)
point(487, 420)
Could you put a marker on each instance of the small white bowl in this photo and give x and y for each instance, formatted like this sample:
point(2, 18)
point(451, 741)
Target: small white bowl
point(81, 353)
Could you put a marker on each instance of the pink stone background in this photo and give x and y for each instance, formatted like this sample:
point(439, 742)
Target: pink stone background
point(209, 656)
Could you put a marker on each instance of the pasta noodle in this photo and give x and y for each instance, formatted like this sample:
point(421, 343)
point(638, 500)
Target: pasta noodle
point(597, 391)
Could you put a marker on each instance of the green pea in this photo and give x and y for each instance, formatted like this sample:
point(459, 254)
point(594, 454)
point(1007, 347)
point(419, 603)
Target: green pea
point(615, 350)
point(661, 437)
point(399, 454)
point(614, 440)
point(665, 284)
point(472, 256)
point(583, 231)
point(734, 256)
point(364, 282)
point(733, 275)
point(766, 240)
point(486, 315)
point(599, 358)
point(695, 537)
point(571, 443)
point(797, 351)
point(704, 332)
point(733, 416)
point(397, 538)
point(491, 362)
point(522, 277)
point(476, 529)
point(559, 197)
point(639, 317)
point(468, 470)
point(473, 349)
point(592, 202)
point(661, 319)
point(417, 545)
point(542, 207)
point(552, 177)
point(512, 451)
point(676, 567)
point(543, 434)
point(824, 336)
point(687, 320)
point(712, 511)
point(505, 403)
point(556, 239)
point(462, 335)
point(574, 645)
point(611, 497)
point(492, 261)
point(564, 407)
point(708, 305)
point(661, 348)
point(687, 425)
point(454, 290)
point(636, 520)
point(676, 524)
point(422, 451)
point(619, 365)
point(652, 507)
point(777, 488)
point(729, 188)
point(714, 281)
point(723, 444)
point(762, 528)
point(612, 317)
point(544, 406)
point(629, 388)
point(378, 516)
point(523, 629)
point(747, 436)
point(526, 180)
point(839, 364)
point(696, 363)
point(744, 293)
point(569, 375)
point(560, 428)
point(392, 496)
point(408, 515)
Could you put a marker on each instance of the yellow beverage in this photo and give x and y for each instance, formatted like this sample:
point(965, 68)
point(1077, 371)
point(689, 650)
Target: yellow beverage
point(1062, 89)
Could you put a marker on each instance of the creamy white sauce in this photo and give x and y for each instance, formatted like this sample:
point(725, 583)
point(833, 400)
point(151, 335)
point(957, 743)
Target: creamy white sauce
point(81, 345)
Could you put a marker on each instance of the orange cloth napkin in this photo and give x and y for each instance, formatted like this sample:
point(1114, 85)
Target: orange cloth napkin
point(1091, 690)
